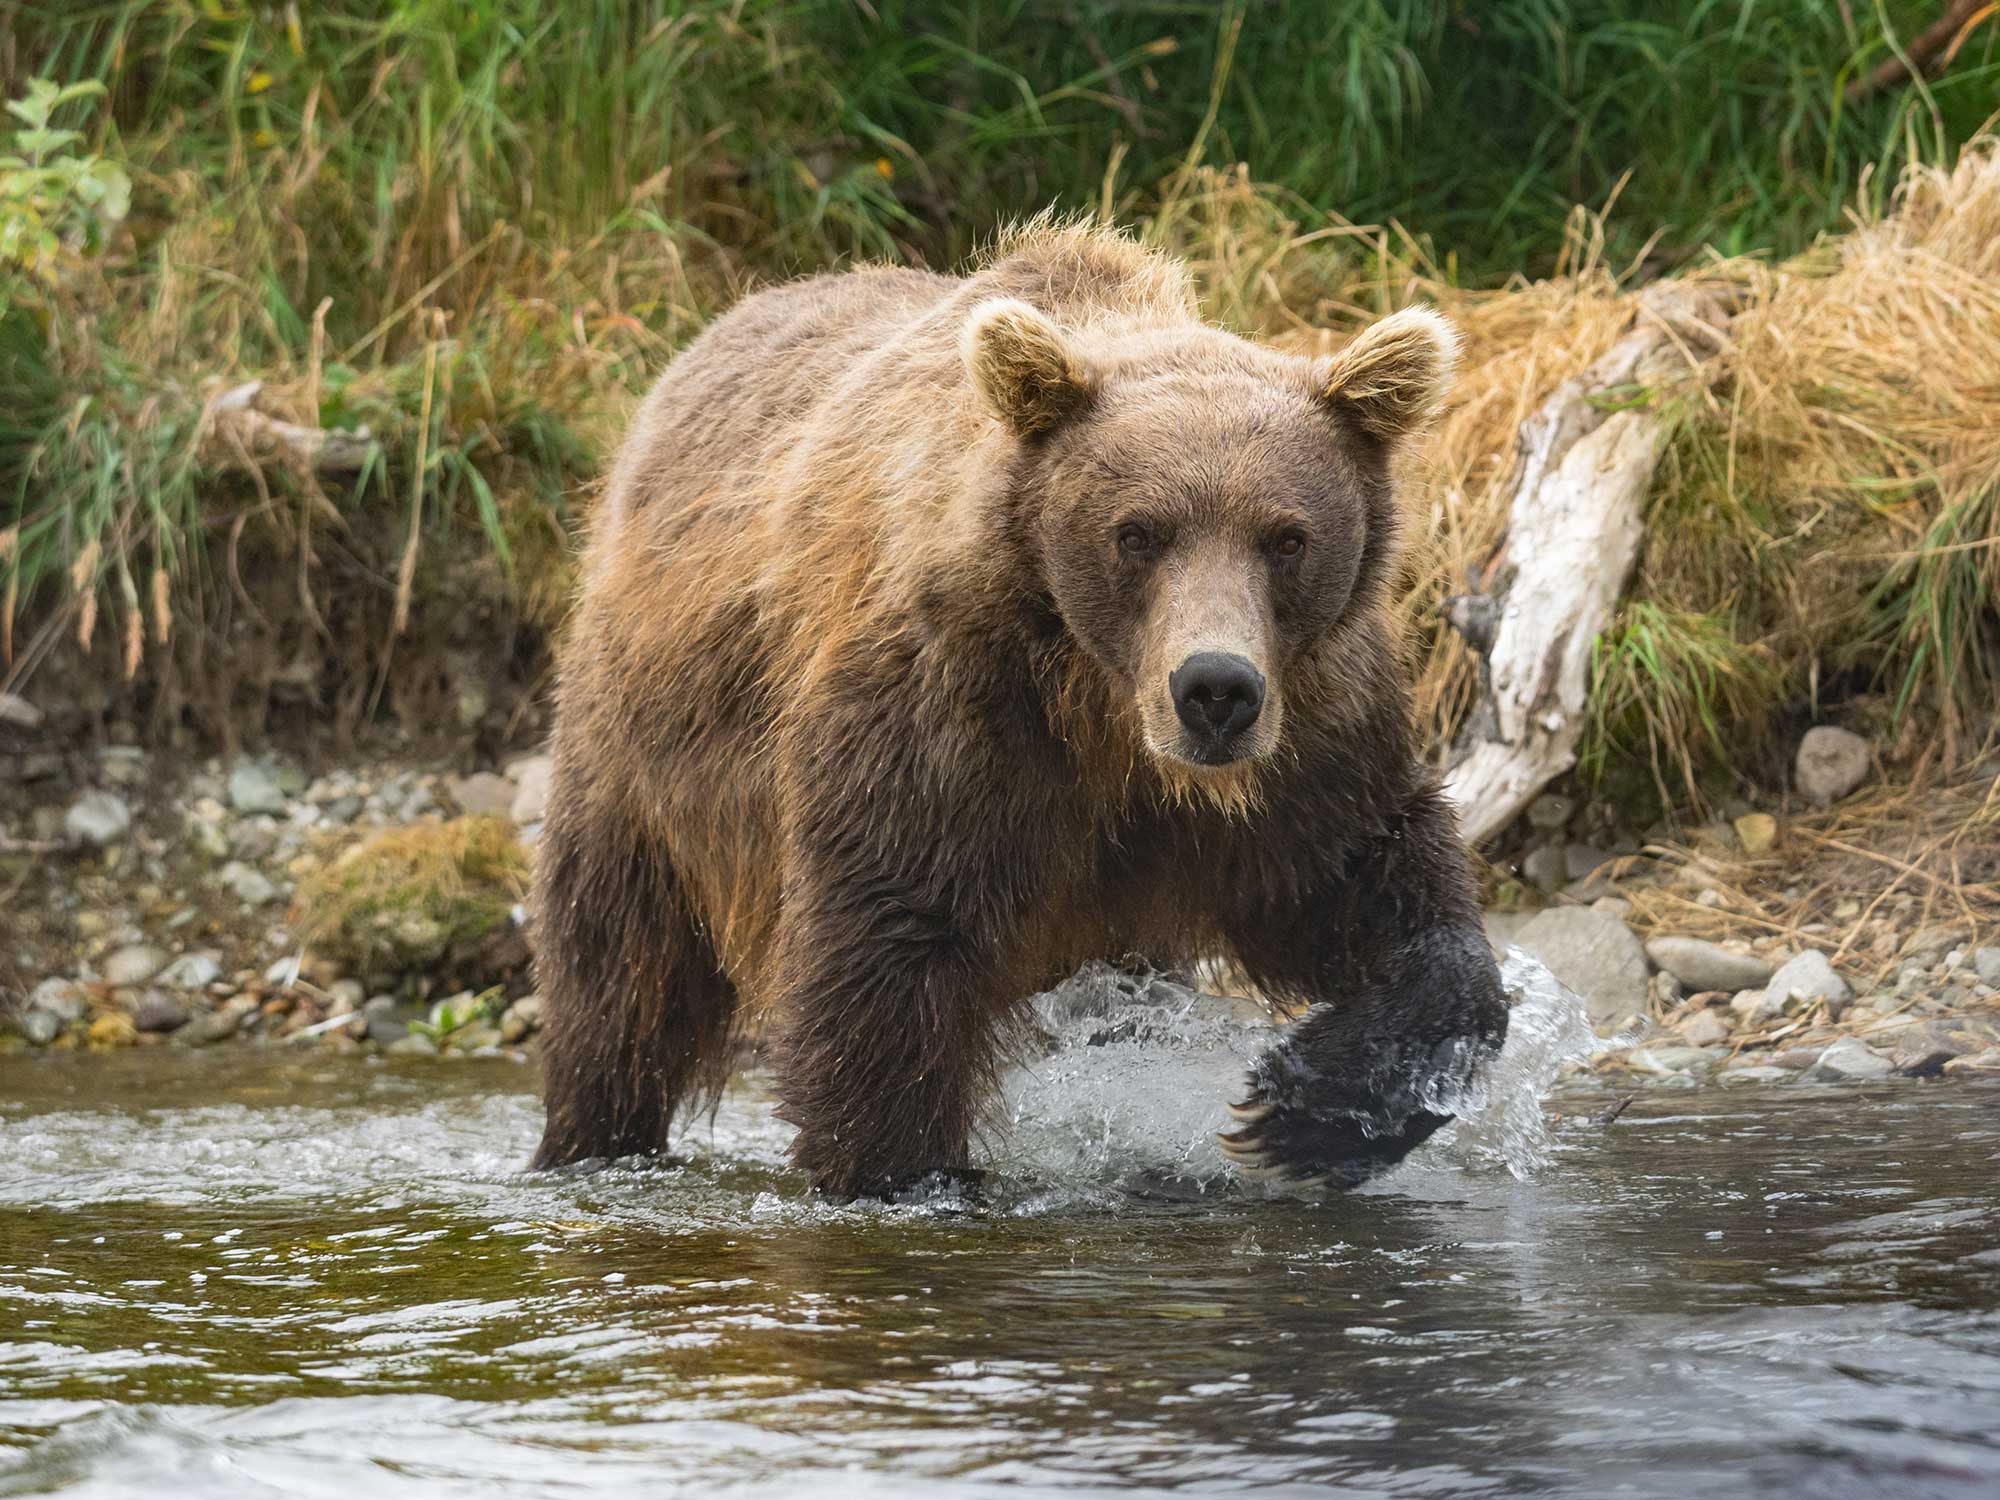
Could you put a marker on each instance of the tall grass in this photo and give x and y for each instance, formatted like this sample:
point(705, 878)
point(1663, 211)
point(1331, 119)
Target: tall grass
point(477, 227)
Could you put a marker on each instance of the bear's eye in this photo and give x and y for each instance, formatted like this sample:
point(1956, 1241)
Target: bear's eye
point(1291, 544)
point(1135, 541)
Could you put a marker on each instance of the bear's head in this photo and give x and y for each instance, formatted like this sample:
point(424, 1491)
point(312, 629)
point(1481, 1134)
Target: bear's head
point(1207, 514)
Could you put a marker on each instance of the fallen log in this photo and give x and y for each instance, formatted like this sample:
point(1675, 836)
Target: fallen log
point(242, 432)
point(1574, 525)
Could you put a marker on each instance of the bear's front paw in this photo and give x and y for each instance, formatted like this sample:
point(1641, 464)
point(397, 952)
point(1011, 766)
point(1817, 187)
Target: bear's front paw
point(1310, 1127)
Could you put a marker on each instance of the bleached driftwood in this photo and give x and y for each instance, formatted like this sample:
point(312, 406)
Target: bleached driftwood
point(250, 435)
point(1573, 530)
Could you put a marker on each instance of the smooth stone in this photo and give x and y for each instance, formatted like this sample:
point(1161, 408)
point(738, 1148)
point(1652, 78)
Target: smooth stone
point(1851, 1058)
point(346, 995)
point(528, 1008)
point(219, 1024)
point(1754, 1008)
point(158, 1010)
point(133, 965)
point(1986, 964)
point(247, 883)
point(98, 818)
point(40, 1027)
point(413, 1045)
point(1546, 868)
point(191, 971)
point(1551, 811)
point(1758, 1074)
point(254, 788)
point(1594, 954)
point(1581, 861)
point(62, 998)
point(1921, 1051)
point(1831, 763)
point(531, 783)
point(1756, 832)
point(1705, 1028)
point(482, 794)
point(1708, 966)
point(1808, 977)
point(19, 712)
point(1503, 929)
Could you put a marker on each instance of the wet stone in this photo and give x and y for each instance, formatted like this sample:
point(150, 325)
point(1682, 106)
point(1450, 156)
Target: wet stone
point(1850, 1058)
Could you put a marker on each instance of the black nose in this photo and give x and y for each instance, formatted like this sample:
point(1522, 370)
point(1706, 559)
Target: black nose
point(1217, 695)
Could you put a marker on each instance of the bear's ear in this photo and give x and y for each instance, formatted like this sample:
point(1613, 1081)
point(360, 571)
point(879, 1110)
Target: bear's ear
point(1023, 367)
point(1394, 376)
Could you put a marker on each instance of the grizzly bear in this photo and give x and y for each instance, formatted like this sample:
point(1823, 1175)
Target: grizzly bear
point(940, 634)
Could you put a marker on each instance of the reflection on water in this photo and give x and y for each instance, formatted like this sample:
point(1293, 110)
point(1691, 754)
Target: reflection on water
point(244, 1275)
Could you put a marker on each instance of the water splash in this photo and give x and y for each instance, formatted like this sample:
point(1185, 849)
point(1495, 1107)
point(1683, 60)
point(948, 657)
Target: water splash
point(1501, 1120)
point(1127, 1091)
point(1128, 1085)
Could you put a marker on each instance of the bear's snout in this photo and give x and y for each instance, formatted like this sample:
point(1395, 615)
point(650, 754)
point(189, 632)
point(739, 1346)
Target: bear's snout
point(1218, 695)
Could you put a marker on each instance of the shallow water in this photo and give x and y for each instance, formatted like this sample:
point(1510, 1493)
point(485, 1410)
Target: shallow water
point(243, 1274)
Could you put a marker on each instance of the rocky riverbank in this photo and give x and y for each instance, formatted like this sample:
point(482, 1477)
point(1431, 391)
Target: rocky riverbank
point(378, 908)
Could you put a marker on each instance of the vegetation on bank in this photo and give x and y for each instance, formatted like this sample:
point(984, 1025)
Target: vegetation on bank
point(475, 230)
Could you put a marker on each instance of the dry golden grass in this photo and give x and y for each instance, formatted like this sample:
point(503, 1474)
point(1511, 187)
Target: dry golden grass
point(1829, 506)
point(414, 893)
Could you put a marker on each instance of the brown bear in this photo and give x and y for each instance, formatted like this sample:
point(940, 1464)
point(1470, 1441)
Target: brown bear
point(939, 634)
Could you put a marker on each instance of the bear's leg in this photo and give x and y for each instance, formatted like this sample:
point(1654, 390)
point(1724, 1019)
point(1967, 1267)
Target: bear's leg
point(908, 862)
point(1405, 1002)
point(637, 1011)
point(886, 1051)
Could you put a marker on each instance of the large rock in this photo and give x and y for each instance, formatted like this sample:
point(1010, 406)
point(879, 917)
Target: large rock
point(1831, 763)
point(98, 818)
point(1808, 977)
point(1595, 954)
point(1708, 966)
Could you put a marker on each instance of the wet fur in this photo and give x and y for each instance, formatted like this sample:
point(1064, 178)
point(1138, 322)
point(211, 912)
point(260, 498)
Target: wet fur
point(828, 752)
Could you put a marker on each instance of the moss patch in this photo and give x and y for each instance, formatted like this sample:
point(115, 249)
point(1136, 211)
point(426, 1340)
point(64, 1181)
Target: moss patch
point(411, 897)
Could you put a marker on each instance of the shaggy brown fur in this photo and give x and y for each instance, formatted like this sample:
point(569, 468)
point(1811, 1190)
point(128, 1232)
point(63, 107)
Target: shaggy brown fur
point(876, 715)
